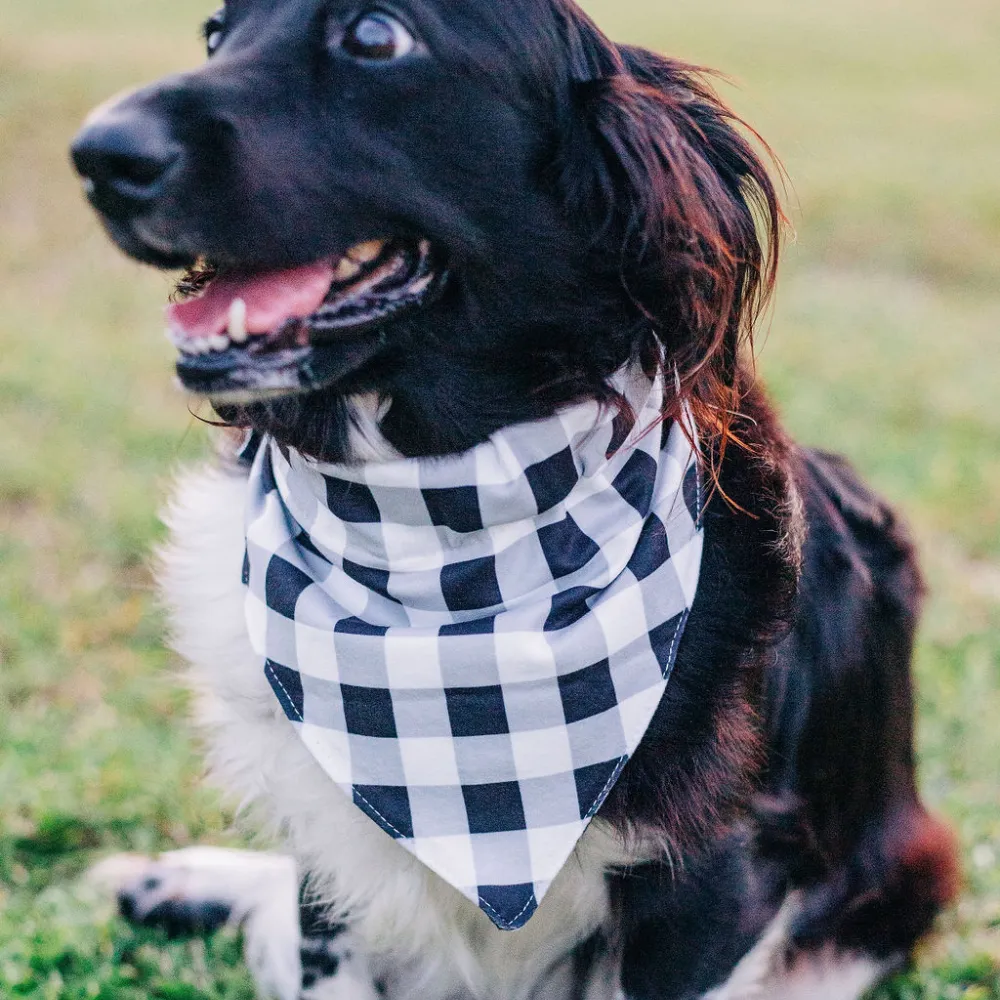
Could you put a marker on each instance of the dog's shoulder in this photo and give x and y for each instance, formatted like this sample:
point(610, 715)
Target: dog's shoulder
point(701, 756)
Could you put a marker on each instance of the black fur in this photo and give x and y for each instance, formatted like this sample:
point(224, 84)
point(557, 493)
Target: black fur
point(592, 201)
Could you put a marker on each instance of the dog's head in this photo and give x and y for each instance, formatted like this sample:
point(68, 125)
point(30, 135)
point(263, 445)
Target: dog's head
point(476, 211)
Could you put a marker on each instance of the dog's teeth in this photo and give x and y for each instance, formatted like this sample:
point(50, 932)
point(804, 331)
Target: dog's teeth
point(365, 253)
point(346, 269)
point(237, 322)
point(191, 345)
point(219, 342)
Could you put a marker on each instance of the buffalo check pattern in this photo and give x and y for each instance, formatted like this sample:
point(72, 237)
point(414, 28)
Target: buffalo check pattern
point(472, 647)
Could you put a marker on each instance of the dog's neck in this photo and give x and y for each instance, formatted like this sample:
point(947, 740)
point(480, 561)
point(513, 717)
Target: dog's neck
point(472, 646)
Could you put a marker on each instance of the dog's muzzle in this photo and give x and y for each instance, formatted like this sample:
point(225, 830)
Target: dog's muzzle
point(245, 332)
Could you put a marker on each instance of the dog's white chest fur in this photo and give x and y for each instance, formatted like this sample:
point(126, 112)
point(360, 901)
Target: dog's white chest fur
point(396, 904)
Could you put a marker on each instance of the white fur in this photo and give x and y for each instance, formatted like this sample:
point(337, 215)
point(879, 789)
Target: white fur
point(400, 910)
point(368, 444)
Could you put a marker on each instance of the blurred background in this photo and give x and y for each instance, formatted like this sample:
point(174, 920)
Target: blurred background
point(884, 344)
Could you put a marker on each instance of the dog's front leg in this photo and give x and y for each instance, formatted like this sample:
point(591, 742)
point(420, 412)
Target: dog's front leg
point(291, 950)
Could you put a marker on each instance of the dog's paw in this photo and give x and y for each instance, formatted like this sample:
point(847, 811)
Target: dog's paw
point(200, 889)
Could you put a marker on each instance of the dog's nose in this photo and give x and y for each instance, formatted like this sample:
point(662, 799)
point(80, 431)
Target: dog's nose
point(123, 159)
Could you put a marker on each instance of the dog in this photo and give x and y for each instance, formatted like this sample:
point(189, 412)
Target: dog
point(420, 231)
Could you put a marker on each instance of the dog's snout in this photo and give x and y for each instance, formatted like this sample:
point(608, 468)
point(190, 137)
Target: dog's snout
point(124, 159)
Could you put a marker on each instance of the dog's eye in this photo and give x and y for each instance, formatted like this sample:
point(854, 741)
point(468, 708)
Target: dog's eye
point(377, 36)
point(212, 31)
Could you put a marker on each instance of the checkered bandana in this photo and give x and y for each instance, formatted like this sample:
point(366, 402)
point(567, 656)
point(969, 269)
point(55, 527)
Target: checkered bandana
point(472, 646)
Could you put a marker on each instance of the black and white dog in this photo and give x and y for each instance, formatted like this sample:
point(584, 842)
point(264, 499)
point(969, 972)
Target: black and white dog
point(475, 283)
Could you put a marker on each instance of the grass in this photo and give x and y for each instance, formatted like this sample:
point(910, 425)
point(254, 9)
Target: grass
point(883, 344)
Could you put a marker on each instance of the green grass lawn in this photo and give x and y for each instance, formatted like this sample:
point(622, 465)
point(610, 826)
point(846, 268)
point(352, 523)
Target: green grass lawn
point(883, 344)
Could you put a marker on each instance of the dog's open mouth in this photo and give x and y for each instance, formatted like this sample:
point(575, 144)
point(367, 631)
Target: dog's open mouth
point(250, 335)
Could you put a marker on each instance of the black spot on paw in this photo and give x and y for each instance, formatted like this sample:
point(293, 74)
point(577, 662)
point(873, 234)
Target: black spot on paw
point(183, 918)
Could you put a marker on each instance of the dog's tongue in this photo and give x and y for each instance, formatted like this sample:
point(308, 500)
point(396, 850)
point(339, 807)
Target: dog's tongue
point(271, 297)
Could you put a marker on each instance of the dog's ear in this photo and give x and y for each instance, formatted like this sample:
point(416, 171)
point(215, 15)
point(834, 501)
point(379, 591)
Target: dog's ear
point(670, 188)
